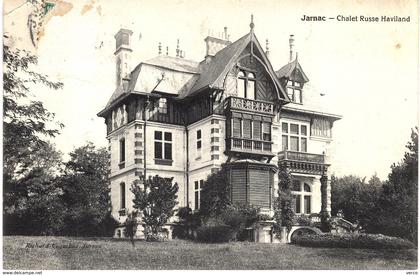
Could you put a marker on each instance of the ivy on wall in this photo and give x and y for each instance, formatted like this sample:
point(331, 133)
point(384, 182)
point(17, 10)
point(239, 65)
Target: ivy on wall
point(283, 210)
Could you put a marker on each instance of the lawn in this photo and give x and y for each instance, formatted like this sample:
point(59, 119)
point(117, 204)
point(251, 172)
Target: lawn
point(81, 253)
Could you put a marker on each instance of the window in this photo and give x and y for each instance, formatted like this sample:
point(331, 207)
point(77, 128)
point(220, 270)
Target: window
point(294, 137)
point(122, 195)
point(198, 139)
point(246, 126)
point(246, 85)
point(321, 128)
point(257, 129)
point(236, 127)
point(266, 131)
point(197, 193)
point(163, 106)
point(302, 197)
point(294, 91)
point(122, 150)
point(163, 145)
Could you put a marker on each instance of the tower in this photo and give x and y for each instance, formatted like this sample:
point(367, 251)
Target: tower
point(122, 55)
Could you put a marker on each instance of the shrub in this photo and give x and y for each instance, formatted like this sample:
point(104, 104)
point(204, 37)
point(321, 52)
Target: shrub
point(215, 194)
point(215, 233)
point(376, 241)
point(188, 222)
point(302, 220)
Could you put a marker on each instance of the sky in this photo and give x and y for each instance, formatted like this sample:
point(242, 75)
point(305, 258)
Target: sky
point(367, 71)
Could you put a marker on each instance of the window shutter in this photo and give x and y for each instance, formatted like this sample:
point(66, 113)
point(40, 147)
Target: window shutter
point(257, 130)
point(236, 127)
point(247, 128)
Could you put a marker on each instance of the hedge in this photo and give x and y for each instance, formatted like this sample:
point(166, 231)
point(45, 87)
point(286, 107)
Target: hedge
point(215, 233)
point(376, 241)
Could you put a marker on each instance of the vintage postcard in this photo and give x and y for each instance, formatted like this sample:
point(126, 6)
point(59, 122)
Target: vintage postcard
point(210, 135)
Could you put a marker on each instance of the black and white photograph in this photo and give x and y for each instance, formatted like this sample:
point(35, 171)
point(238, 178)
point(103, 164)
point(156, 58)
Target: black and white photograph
point(210, 135)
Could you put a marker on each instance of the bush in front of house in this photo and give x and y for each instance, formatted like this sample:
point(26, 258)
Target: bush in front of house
point(375, 241)
point(233, 223)
point(188, 222)
point(218, 233)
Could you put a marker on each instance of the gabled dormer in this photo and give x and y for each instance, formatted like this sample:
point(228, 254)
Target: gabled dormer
point(292, 76)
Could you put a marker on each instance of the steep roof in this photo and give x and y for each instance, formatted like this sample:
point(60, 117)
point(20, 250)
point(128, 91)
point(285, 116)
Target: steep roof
point(185, 78)
point(210, 72)
point(178, 75)
point(287, 70)
point(174, 63)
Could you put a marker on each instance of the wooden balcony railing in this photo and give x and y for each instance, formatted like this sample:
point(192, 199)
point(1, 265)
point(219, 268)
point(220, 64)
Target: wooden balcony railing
point(244, 104)
point(249, 145)
point(302, 162)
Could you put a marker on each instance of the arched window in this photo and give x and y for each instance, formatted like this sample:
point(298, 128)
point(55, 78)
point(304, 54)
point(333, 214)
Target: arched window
point(302, 195)
point(250, 89)
point(241, 84)
point(122, 195)
point(246, 85)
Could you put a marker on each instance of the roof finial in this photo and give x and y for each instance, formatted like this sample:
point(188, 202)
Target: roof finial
point(267, 49)
point(177, 48)
point(252, 25)
point(160, 48)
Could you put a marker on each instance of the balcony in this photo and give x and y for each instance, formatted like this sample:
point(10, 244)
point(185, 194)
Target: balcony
point(301, 162)
point(249, 146)
point(249, 105)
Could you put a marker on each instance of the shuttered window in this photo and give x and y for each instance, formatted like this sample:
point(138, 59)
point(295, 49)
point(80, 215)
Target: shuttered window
point(238, 184)
point(247, 128)
point(236, 127)
point(257, 129)
point(259, 187)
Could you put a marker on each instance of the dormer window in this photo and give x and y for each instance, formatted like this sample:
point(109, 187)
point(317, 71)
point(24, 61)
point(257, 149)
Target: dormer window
point(163, 105)
point(294, 91)
point(246, 85)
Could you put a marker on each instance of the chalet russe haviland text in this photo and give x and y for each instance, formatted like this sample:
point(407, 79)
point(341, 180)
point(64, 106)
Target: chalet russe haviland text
point(357, 18)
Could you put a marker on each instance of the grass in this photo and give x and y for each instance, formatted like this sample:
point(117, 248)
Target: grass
point(21, 252)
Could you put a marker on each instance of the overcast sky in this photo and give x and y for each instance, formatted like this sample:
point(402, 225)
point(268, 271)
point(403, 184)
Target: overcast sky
point(368, 71)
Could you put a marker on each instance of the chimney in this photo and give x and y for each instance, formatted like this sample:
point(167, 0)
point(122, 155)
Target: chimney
point(123, 56)
point(215, 44)
point(291, 46)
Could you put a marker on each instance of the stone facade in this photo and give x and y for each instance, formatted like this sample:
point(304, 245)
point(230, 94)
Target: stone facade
point(231, 110)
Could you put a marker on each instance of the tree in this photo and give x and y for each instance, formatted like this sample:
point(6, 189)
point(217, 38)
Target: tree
point(398, 200)
point(156, 199)
point(32, 203)
point(283, 210)
point(357, 199)
point(215, 194)
point(86, 192)
point(25, 122)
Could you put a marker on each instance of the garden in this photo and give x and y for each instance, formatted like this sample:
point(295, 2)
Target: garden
point(52, 253)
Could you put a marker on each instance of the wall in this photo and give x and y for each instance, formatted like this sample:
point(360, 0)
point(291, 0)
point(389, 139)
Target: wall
point(211, 155)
